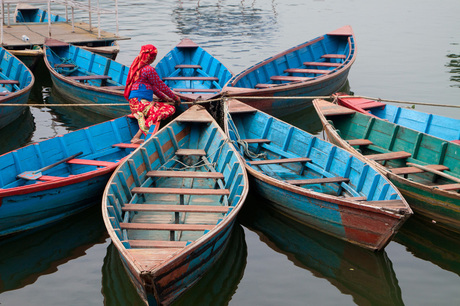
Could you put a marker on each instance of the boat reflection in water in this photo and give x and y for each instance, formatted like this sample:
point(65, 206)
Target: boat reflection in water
point(365, 275)
point(25, 257)
point(431, 242)
point(216, 287)
point(18, 133)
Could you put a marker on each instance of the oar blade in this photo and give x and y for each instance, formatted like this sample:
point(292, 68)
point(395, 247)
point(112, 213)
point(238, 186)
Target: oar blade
point(30, 175)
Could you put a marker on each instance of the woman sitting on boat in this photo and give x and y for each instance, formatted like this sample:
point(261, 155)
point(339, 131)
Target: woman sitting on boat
point(142, 83)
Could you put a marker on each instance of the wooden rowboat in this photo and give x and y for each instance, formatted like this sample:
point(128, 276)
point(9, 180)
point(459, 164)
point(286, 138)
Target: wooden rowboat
point(16, 82)
point(439, 126)
point(315, 182)
point(170, 207)
point(33, 194)
point(317, 67)
point(192, 72)
point(426, 169)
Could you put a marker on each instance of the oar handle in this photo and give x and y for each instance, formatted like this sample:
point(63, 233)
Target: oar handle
point(60, 162)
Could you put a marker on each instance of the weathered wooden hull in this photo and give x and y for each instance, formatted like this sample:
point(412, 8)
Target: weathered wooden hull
point(14, 71)
point(67, 188)
point(258, 86)
point(423, 190)
point(165, 244)
point(431, 124)
point(354, 211)
point(373, 279)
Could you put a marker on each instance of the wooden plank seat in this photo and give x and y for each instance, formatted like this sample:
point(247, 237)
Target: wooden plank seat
point(280, 161)
point(454, 186)
point(359, 142)
point(389, 156)
point(413, 170)
point(322, 64)
point(7, 82)
point(91, 162)
point(49, 178)
point(456, 141)
point(186, 174)
point(298, 70)
point(177, 208)
point(336, 111)
point(64, 66)
point(121, 87)
point(4, 93)
point(166, 227)
point(183, 191)
point(264, 85)
point(356, 198)
point(191, 152)
point(387, 203)
point(89, 77)
point(126, 145)
point(141, 243)
point(323, 180)
point(197, 89)
point(190, 79)
point(289, 78)
point(188, 66)
point(338, 56)
point(253, 140)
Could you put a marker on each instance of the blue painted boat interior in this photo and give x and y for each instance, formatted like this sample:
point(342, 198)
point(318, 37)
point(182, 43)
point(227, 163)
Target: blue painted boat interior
point(309, 52)
point(160, 152)
point(435, 125)
point(327, 160)
point(96, 142)
point(74, 61)
point(200, 64)
point(13, 69)
point(36, 15)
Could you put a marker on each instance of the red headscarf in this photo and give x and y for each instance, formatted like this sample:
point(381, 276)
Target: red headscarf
point(147, 53)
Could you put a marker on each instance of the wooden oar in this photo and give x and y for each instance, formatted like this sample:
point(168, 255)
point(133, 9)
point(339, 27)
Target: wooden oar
point(450, 177)
point(35, 175)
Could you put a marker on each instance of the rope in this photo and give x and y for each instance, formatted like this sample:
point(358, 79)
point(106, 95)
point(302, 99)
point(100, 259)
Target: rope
point(64, 60)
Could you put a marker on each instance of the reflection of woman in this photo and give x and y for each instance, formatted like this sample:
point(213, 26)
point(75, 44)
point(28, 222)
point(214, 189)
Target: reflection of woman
point(142, 83)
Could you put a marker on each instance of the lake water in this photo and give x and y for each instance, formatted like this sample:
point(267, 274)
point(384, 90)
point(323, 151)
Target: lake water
point(407, 51)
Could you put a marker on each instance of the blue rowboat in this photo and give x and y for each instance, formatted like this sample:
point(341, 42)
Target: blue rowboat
point(16, 82)
point(169, 208)
point(192, 72)
point(28, 13)
point(438, 126)
point(69, 186)
point(426, 169)
point(83, 77)
point(315, 182)
point(366, 276)
point(318, 67)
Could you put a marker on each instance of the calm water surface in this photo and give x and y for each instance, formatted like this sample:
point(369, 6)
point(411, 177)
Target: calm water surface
point(407, 51)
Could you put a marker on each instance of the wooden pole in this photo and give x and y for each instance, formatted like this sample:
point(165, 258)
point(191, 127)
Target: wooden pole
point(450, 177)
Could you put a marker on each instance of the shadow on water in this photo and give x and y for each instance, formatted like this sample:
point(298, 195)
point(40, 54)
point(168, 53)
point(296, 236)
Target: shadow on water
point(216, 287)
point(432, 243)
point(367, 276)
point(25, 257)
point(18, 133)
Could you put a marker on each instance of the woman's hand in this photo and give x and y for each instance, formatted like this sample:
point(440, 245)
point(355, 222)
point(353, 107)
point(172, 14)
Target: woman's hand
point(177, 101)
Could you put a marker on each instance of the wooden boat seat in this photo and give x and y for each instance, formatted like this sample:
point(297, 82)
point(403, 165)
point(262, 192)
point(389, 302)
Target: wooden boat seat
point(323, 180)
point(91, 162)
point(186, 174)
point(191, 79)
point(316, 71)
point(253, 140)
point(323, 64)
point(183, 191)
point(138, 243)
point(188, 67)
point(264, 85)
point(280, 161)
point(338, 56)
point(177, 208)
point(456, 141)
point(289, 78)
point(356, 198)
point(7, 82)
point(454, 186)
point(89, 77)
point(197, 89)
point(4, 93)
point(387, 203)
point(121, 87)
point(126, 145)
point(413, 170)
point(389, 156)
point(359, 142)
point(191, 152)
point(166, 227)
point(64, 66)
point(49, 178)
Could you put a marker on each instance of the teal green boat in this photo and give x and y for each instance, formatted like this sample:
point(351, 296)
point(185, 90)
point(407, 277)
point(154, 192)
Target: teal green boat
point(426, 169)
